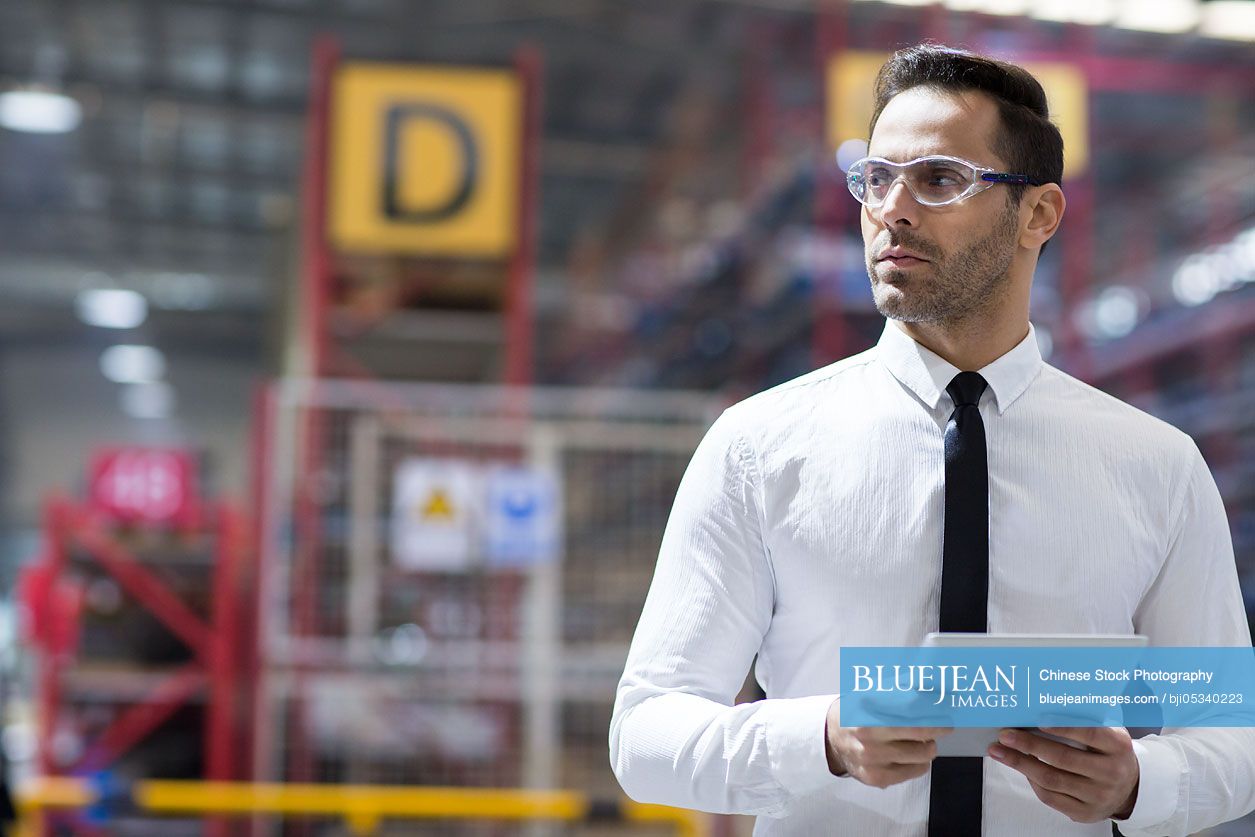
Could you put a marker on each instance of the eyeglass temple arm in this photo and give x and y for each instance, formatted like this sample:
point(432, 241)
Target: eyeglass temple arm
point(1003, 177)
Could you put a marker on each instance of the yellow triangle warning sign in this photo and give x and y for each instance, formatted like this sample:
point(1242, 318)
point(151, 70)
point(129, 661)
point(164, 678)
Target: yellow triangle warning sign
point(437, 506)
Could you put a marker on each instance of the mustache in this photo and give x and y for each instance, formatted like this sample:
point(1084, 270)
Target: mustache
point(908, 240)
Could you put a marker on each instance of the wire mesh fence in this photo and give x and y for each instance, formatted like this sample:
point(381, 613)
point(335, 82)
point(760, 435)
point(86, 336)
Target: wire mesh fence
point(450, 580)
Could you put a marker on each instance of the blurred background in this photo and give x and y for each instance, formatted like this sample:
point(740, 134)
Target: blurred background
point(351, 352)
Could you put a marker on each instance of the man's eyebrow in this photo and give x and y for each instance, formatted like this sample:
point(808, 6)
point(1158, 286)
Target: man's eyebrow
point(913, 153)
point(906, 158)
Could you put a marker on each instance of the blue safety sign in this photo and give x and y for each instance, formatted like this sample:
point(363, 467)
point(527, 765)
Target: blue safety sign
point(524, 516)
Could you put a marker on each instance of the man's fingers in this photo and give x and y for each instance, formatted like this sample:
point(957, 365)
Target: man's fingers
point(910, 733)
point(1102, 739)
point(884, 776)
point(881, 756)
point(903, 752)
point(1069, 806)
point(1054, 753)
point(1077, 787)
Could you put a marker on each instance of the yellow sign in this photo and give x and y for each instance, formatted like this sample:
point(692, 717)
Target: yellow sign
point(438, 506)
point(849, 94)
point(425, 160)
point(852, 73)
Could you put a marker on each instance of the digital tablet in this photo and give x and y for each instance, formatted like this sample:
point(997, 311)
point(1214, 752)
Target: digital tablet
point(975, 741)
point(955, 640)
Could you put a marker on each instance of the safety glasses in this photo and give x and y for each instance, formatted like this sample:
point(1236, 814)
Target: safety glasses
point(933, 181)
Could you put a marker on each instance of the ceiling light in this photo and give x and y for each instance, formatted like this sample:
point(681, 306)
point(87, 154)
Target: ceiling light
point(1116, 311)
point(185, 291)
point(39, 112)
point(999, 7)
point(148, 401)
point(112, 308)
point(1218, 269)
point(1006, 7)
point(1092, 12)
point(129, 364)
point(1232, 19)
point(1163, 16)
point(1195, 282)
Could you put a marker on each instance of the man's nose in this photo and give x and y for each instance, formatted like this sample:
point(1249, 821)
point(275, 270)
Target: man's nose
point(900, 207)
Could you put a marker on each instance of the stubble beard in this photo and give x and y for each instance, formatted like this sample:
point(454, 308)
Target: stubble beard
point(949, 289)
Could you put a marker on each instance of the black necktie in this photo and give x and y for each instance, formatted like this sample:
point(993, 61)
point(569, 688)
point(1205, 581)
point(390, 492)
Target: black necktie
point(957, 783)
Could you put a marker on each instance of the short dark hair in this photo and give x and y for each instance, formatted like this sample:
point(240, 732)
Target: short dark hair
point(1028, 141)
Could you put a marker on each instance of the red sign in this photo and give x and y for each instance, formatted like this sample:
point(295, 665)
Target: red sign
point(142, 485)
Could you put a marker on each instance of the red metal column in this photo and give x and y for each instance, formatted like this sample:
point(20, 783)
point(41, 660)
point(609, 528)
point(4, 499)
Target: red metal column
point(317, 290)
point(222, 716)
point(212, 647)
point(1078, 240)
point(833, 214)
point(57, 637)
point(52, 658)
point(520, 319)
point(220, 728)
point(316, 254)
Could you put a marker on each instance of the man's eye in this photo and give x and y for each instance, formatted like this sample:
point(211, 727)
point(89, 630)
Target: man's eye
point(944, 177)
point(879, 177)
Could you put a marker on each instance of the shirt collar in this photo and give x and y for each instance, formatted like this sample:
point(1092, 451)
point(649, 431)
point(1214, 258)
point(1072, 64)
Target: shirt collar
point(927, 374)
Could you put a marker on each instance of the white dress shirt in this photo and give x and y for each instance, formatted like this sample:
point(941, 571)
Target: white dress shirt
point(810, 518)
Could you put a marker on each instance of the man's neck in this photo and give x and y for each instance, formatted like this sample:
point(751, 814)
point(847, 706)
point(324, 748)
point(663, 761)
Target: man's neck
point(968, 347)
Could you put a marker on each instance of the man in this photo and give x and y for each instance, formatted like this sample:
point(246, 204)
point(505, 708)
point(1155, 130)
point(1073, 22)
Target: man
point(848, 508)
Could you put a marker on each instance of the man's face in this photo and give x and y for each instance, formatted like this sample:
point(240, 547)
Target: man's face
point(965, 249)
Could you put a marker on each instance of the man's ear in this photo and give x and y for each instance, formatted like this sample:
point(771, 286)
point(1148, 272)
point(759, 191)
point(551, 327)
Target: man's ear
point(1045, 205)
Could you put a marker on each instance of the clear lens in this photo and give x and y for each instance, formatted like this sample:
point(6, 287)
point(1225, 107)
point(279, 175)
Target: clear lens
point(932, 180)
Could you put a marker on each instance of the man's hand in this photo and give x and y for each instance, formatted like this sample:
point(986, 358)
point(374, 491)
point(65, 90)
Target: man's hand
point(1087, 785)
point(879, 756)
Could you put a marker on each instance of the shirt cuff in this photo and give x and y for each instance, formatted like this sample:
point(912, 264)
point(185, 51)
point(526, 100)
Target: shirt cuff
point(796, 747)
point(1158, 787)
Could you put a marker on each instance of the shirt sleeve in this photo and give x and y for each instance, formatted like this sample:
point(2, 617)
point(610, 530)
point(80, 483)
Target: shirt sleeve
point(675, 736)
point(1192, 779)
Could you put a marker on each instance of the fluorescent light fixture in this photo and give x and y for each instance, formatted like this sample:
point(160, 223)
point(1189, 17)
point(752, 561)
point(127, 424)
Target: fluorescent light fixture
point(1092, 12)
point(111, 308)
point(183, 291)
point(1231, 19)
point(1170, 16)
point(1194, 282)
point(153, 400)
point(1006, 7)
point(131, 364)
point(1218, 269)
point(989, 7)
point(39, 112)
point(1116, 311)
point(1244, 246)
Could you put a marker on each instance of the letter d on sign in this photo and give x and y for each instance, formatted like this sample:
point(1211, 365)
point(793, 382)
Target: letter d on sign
point(401, 118)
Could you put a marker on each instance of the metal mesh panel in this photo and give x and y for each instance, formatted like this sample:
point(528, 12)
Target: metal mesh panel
point(486, 674)
point(613, 537)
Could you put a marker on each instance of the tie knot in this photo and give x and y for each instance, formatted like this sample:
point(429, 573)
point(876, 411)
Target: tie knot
point(966, 388)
